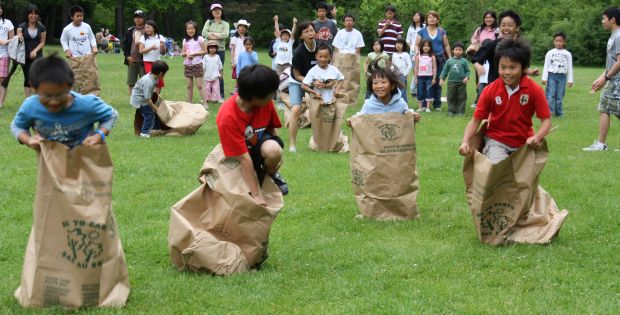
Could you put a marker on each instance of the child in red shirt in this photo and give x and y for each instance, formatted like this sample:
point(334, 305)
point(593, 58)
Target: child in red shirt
point(509, 104)
point(247, 124)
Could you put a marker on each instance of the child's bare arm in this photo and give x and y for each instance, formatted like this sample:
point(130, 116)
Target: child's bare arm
point(470, 131)
point(535, 140)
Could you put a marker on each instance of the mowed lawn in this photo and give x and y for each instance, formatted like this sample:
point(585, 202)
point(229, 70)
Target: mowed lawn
point(323, 260)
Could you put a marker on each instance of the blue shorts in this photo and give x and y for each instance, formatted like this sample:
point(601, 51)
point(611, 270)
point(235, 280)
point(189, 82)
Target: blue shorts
point(296, 94)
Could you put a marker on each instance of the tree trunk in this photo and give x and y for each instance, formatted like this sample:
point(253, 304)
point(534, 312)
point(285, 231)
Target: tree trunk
point(119, 27)
point(50, 22)
point(66, 17)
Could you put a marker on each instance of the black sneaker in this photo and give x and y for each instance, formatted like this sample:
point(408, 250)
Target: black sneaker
point(277, 178)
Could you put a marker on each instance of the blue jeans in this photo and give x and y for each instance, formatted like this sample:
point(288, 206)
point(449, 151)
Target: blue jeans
point(149, 119)
point(222, 54)
point(441, 61)
point(403, 90)
point(556, 86)
point(425, 89)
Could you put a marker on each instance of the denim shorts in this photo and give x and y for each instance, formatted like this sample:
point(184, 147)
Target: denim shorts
point(296, 94)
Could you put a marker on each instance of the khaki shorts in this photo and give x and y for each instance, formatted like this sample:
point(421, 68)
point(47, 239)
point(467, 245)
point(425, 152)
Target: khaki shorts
point(496, 151)
point(134, 73)
point(610, 98)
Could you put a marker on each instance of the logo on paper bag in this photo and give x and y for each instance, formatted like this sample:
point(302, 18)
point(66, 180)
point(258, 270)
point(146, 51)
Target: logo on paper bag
point(524, 99)
point(494, 219)
point(389, 132)
point(84, 244)
point(357, 178)
point(328, 114)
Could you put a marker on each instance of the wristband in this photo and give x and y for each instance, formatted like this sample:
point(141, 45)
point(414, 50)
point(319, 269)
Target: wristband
point(102, 134)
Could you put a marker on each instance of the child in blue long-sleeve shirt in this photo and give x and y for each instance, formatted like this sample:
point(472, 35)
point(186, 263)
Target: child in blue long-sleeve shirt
point(56, 113)
point(247, 57)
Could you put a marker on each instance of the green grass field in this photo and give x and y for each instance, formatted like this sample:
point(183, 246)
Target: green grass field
point(323, 261)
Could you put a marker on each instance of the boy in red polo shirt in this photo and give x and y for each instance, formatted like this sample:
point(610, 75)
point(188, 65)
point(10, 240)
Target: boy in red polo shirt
point(247, 124)
point(509, 104)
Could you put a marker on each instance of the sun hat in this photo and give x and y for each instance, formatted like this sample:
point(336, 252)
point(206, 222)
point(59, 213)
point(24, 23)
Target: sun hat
point(286, 30)
point(242, 22)
point(216, 6)
point(212, 43)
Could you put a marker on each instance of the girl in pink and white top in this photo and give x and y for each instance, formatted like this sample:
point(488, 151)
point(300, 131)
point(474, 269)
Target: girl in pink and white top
point(6, 33)
point(236, 43)
point(487, 30)
point(194, 48)
point(425, 74)
point(152, 48)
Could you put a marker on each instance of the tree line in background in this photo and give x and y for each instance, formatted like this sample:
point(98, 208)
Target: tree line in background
point(580, 20)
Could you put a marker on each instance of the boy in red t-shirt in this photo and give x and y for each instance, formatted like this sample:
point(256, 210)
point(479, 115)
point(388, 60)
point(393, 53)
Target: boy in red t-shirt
point(509, 104)
point(247, 124)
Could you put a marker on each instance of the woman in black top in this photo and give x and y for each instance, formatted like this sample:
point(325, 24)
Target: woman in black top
point(33, 34)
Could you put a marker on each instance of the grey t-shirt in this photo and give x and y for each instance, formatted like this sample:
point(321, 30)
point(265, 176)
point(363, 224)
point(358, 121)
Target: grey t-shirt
point(325, 31)
point(143, 90)
point(613, 49)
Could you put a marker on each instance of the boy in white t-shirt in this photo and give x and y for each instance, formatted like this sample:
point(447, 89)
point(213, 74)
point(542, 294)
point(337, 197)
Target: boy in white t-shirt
point(325, 78)
point(77, 38)
point(348, 40)
point(283, 46)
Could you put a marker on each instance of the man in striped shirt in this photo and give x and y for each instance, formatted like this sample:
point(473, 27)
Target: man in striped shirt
point(389, 30)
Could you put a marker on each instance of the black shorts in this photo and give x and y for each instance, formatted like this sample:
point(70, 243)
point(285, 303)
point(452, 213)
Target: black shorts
point(257, 156)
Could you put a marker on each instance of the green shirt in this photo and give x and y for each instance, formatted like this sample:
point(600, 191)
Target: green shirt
point(221, 28)
point(456, 69)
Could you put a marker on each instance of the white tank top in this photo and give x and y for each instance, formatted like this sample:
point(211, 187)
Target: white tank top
point(425, 66)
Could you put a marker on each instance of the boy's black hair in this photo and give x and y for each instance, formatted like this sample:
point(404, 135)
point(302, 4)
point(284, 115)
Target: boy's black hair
point(321, 5)
point(249, 39)
point(76, 8)
point(195, 25)
point(257, 81)
point(159, 66)
point(613, 13)
point(51, 69)
point(511, 14)
point(302, 27)
point(517, 50)
point(388, 72)
point(404, 42)
point(323, 46)
point(560, 34)
point(458, 44)
point(390, 7)
point(348, 16)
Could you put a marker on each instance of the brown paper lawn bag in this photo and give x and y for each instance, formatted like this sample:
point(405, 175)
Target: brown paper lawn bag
point(304, 115)
point(86, 76)
point(326, 121)
point(179, 118)
point(349, 66)
point(219, 228)
point(74, 255)
point(383, 166)
point(507, 204)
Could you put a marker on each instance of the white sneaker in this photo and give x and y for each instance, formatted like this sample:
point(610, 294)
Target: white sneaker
point(145, 135)
point(428, 110)
point(438, 109)
point(596, 146)
point(292, 149)
point(473, 105)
